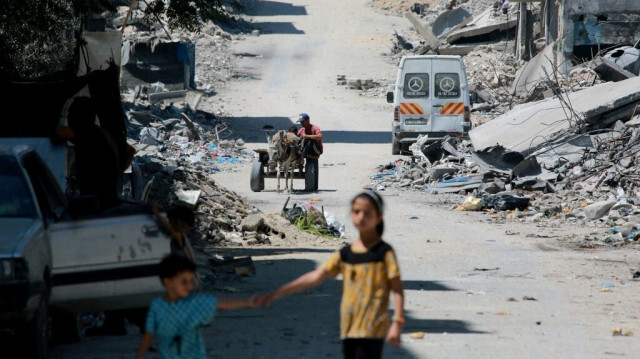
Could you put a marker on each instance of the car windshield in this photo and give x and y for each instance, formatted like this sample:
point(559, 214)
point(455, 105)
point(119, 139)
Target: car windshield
point(15, 198)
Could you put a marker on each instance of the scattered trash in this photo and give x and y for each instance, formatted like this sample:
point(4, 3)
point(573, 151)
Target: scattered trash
point(529, 298)
point(417, 335)
point(621, 332)
point(471, 204)
point(307, 218)
point(503, 312)
point(504, 202)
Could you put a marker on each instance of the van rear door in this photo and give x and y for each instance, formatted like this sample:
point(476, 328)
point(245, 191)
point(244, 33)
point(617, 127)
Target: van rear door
point(447, 111)
point(415, 97)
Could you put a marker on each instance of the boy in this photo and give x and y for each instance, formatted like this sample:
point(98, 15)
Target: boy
point(175, 319)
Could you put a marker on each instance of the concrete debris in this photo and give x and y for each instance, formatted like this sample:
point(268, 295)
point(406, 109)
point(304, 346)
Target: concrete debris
point(252, 223)
point(186, 198)
point(485, 24)
point(450, 21)
point(528, 127)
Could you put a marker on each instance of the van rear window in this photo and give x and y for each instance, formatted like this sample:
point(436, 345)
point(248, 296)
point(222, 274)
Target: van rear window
point(447, 85)
point(416, 85)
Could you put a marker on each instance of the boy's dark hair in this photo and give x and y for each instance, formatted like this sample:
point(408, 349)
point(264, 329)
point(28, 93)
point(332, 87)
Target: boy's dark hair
point(375, 198)
point(293, 129)
point(182, 213)
point(173, 264)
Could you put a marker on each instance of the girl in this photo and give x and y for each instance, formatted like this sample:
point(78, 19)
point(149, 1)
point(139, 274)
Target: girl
point(369, 271)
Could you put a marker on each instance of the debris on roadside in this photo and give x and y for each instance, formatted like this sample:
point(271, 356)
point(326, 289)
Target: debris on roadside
point(311, 220)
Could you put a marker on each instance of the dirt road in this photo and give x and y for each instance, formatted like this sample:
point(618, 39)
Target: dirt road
point(459, 270)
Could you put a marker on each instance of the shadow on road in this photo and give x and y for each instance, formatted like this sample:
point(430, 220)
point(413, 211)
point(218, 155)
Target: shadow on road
point(435, 326)
point(274, 8)
point(270, 251)
point(277, 28)
point(427, 285)
point(356, 136)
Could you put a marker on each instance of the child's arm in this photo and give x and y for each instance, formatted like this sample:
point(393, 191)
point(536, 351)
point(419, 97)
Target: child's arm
point(144, 346)
point(393, 336)
point(166, 224)
point(237, 303)
point(305, 281)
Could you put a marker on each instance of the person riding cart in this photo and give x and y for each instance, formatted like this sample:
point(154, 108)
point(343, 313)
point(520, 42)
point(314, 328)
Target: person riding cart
point(311, 149)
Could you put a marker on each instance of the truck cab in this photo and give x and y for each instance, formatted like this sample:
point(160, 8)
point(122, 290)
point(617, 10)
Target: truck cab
point(430, 98)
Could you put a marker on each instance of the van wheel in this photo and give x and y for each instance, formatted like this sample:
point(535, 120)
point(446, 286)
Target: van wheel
point(395, 146)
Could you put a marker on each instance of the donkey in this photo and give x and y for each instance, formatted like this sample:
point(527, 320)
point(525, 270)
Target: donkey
point(285, 152)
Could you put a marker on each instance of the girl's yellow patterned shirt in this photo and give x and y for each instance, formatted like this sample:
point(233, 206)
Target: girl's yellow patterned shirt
point(365, 290)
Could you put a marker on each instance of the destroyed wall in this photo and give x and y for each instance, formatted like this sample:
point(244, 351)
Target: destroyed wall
point(586, 25)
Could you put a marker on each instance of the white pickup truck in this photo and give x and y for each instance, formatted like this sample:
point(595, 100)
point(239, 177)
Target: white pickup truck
point(55, 256)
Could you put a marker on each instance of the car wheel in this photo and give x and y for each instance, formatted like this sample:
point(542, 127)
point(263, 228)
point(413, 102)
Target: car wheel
point(395, 146)
point(67, 327)
point(36, 332)
point(257, 177)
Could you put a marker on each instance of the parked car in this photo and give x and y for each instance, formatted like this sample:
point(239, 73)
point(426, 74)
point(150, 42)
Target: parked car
point(431, 97)
point(59, 255)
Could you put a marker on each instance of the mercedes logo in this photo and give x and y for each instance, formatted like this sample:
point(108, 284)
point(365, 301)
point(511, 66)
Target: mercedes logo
point(447, 84)
point(415, 84)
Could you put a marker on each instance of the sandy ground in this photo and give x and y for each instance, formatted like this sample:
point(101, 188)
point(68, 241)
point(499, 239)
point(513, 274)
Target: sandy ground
point(459, 269)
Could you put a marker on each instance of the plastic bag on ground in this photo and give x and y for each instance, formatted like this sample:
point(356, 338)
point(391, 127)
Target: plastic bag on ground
point(334, 224)
point(471, 204)
point(505, 202)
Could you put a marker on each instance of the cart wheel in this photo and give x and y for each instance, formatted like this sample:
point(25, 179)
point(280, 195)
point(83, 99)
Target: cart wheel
point(311, 175)
point(257, 177)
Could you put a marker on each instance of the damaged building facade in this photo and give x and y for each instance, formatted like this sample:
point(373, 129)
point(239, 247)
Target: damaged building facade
point(583, 28)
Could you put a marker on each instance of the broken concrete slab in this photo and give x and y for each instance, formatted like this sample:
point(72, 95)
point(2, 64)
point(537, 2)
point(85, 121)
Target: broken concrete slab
point(252, 223)
point(187, 198)
point(439, 172)
point(610, 71)
point(484, 24)
point(465, 49)
point(529, 126)
point(599, 209)
point(423, 31)
point(536, 70)
point(449, 21)
point(626, 57)
point(168, 95)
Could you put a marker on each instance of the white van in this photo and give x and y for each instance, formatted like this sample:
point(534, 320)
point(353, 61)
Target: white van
point(431, 97)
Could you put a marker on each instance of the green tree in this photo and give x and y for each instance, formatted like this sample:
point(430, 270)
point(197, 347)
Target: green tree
point(184, 14)
point(39, 37)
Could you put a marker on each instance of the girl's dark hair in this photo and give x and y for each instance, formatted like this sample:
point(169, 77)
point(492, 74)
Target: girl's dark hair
point(377, 202)
point(182, 213)
point(173, 264)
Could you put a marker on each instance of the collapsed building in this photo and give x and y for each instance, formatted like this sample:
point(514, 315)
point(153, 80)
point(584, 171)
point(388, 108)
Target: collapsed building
point(584, 28)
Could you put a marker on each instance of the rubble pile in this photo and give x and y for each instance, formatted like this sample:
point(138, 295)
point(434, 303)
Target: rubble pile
point(491, 74)
point(587, 179)
point(178, 146)
point(367, 87)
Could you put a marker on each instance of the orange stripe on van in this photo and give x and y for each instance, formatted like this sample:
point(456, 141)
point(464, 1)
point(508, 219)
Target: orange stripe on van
point(452, 108)
point(410, 108)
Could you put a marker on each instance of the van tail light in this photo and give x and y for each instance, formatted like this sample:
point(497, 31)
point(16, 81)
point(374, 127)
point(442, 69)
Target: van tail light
point(467, 114)
point(396, 114)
